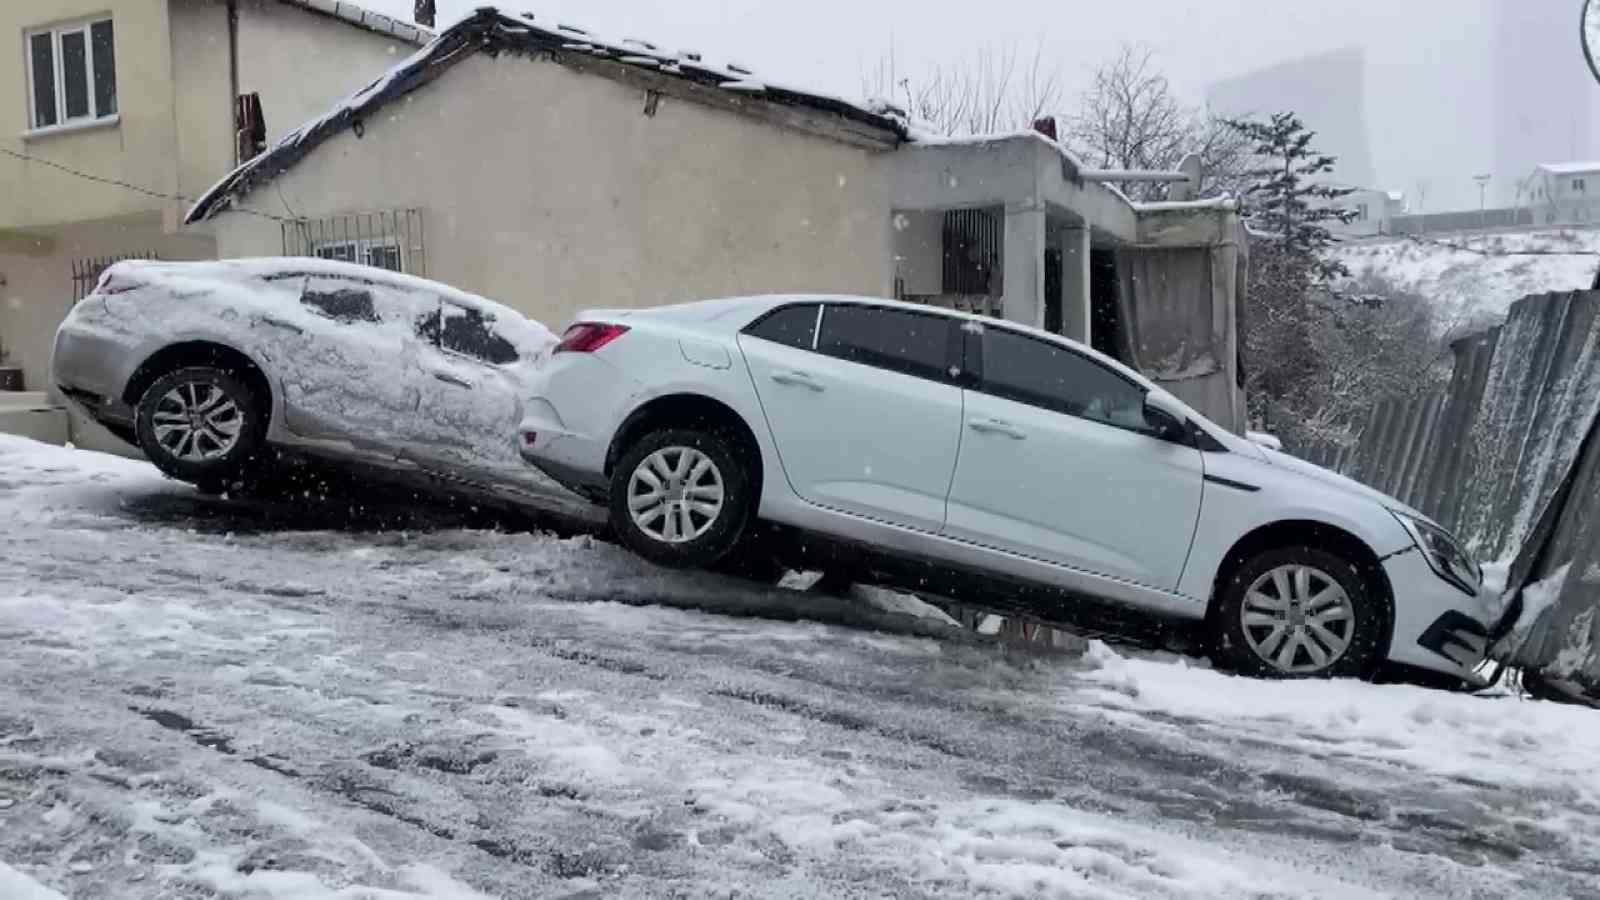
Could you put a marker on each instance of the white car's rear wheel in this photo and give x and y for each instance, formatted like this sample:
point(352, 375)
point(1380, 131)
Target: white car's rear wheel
point(681, 497)
point(1298, 612)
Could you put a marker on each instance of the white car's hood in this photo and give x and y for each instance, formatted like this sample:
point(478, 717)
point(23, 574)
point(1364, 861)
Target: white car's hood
point(1281, 460)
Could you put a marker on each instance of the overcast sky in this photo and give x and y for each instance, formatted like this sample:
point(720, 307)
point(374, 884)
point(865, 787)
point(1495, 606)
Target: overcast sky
point(1427, 81)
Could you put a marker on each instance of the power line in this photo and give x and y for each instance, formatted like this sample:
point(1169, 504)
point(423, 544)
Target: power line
point(159, 195)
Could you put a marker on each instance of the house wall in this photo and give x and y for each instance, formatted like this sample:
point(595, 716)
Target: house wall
point(919, 250)
point(552, 191)
point(302, 63)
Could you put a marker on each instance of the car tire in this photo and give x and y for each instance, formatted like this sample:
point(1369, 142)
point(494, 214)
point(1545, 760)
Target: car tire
point(1298, 612)
point(232, 426)
point(661, 502)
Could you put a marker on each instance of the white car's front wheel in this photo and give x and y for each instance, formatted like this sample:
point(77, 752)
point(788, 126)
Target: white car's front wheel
point(1298, 612)
point(681, 497)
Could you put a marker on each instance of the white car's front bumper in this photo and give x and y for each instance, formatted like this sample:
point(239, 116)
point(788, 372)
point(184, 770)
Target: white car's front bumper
point(1437, 626)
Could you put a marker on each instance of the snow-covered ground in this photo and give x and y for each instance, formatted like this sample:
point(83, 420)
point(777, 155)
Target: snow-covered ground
point(1479, 284)
point(201, 698)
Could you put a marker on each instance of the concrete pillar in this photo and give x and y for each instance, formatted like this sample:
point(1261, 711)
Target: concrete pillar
point(1024, 265)
point(1075, 300)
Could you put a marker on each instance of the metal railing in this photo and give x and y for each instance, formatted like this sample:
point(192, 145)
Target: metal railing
point(86, 272)
point(387, 239)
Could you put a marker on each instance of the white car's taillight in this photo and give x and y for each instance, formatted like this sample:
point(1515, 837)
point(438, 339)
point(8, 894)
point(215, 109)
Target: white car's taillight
point(587, 337)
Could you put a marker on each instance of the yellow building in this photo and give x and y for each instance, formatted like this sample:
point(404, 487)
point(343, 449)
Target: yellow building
point(115, 114)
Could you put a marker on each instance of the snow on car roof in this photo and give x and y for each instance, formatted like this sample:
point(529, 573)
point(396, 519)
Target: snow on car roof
point(491, 31)
point(287, 267)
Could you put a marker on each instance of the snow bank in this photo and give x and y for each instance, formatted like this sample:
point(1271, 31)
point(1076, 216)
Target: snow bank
point(16, 886)
point(1472, 284)
point(1499, 739)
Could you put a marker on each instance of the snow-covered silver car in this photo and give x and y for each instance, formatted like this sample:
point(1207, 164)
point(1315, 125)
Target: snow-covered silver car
point(982, 459)
point(211, 367)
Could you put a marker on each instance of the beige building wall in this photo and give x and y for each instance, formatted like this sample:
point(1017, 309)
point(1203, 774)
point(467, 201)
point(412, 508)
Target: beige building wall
point(552, 191)
point(136, 148)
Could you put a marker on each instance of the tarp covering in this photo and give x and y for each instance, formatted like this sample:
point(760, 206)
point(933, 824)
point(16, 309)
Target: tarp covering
point(1177, 315)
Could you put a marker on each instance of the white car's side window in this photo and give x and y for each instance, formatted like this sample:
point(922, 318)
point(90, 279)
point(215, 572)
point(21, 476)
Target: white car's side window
point(913, 343)
point(1047, 375)
point(792, 326)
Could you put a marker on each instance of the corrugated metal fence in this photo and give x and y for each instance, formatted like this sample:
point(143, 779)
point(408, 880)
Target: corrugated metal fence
point(1507, 457)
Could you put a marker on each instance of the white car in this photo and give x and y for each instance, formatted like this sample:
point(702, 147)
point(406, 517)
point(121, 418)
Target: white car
point(981, 459)
point(218, 369)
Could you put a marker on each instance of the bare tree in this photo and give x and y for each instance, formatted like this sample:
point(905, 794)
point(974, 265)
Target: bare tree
point(1130, 119)
point(989, 91)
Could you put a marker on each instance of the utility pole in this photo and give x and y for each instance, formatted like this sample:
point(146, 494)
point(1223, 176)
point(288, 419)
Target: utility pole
point(1483, 186)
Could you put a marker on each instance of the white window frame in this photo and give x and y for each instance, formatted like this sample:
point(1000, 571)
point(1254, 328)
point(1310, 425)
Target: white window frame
point(362, 249)
point(58, 63)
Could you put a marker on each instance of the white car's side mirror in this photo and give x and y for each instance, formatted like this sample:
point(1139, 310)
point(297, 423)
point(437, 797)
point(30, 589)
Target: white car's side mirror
point(1268, 441)
point(1166, 414)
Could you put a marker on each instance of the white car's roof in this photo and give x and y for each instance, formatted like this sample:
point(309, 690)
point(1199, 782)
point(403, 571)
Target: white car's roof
point(733, 313)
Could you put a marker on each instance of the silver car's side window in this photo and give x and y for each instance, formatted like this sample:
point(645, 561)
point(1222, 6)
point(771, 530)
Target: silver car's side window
point(470, 332)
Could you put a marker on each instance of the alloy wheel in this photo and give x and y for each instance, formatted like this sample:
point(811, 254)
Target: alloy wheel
point(197, 421)
point(1298, 619)
point(675, 494)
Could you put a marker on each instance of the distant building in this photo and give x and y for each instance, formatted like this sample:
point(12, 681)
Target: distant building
point(1327, 92)
point(1375, 211)
point(1564, 193)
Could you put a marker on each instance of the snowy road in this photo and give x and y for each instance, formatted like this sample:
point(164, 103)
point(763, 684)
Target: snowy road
point(202, 699)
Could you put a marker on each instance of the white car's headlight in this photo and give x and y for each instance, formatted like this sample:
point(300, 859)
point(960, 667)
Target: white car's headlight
point(1443, 553)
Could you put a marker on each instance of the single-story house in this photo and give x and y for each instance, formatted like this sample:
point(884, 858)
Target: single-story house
point(539, 164)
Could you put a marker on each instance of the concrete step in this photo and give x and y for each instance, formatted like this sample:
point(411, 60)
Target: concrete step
point(31, 414)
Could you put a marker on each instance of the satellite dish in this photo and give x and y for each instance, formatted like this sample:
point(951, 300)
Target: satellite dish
point(1589, 33)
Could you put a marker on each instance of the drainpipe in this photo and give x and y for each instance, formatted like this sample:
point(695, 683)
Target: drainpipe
point(233, 76)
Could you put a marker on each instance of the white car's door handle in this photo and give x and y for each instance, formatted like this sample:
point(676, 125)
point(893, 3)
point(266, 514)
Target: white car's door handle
point(796, 377)
point(995, 426)
point(447, 378)
point(279, 323)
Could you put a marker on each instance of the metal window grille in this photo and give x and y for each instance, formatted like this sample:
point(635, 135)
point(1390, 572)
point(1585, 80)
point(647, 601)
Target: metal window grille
point(971, 251)
point(390, 239)
point(86, 272)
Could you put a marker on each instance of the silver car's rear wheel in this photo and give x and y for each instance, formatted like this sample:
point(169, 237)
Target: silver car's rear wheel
point(201, 424)
point(676, 494)
point(197, 421)
point(1297, 619)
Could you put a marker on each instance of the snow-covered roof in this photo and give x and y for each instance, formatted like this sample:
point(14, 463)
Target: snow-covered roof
point(1221, 204)
point(488, 30)
point(362, 17)
point(1570, 168)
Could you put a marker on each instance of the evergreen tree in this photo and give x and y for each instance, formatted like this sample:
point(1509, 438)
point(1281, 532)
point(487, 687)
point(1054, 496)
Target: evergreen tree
point(1288, 202)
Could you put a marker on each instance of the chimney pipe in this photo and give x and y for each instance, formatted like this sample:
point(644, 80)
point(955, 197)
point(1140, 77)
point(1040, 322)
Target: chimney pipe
point(424, 13)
